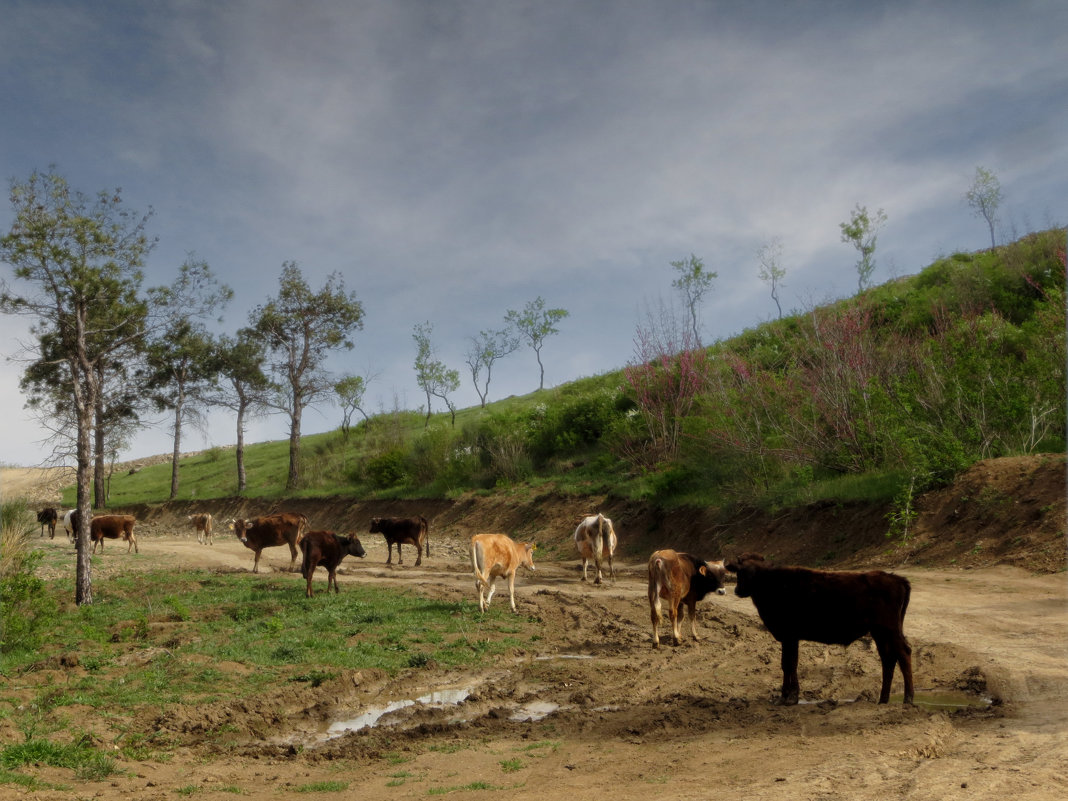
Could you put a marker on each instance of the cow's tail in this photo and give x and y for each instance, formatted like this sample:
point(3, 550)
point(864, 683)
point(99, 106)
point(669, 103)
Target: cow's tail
point(477, 555)
point(304, 558)
point(905, 598)
point(424, 529)
point(302, 527)
point(656, 583)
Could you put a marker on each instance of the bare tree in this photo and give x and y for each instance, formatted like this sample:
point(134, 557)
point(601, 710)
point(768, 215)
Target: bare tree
point(485, 350)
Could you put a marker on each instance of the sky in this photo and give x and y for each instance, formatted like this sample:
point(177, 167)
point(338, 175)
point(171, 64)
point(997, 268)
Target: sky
point(455, 159)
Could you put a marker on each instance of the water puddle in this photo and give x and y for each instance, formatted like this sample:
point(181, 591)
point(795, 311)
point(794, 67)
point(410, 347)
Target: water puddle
point(550, 657)
point(534, 711)
point(439, 699)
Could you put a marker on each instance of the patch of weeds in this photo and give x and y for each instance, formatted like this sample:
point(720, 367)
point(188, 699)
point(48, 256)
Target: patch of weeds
point(395, 758)
point(322, 787)
point(179, 611)
point(86, 762)
point(419, 660)
point(315, 677)
point(232, 788)
point(511, 765)
point(401, 778)
point(188, 789)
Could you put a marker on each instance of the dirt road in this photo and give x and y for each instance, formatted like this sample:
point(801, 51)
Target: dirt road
point(596, 710)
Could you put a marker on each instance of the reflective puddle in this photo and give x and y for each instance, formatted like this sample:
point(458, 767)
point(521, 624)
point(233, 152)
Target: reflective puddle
point(534, 711)
point(439, 699)
point(550, 657)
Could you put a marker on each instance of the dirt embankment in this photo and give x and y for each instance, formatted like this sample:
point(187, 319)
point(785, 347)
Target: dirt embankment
point(1000, 512)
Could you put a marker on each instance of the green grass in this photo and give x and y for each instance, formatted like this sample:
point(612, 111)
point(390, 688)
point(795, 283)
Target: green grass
point(86, 762)
point(164, 635)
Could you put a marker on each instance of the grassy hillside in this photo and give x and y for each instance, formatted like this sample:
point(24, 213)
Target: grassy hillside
point(878, 396)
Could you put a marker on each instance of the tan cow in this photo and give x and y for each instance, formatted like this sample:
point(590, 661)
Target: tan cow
point(595, 539)
point(680, 578)
point(203, 524)
point(496, 555)
point(113, 527)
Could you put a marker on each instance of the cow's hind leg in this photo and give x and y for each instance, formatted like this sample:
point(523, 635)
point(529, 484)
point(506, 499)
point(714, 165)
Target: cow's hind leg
point(894, 649)
point(791, 688)
point(655, 613)
point(673, 614)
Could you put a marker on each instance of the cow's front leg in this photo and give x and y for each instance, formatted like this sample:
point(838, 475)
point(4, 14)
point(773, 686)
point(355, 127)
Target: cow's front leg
point(692, 607)
point(791, 688)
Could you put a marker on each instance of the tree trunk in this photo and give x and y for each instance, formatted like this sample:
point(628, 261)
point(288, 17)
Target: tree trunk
point(100, 498)
point(240, 449)
point(176, 453)
point(293, 481)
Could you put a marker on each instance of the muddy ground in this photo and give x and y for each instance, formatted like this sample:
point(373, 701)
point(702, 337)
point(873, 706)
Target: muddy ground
point(593, 709)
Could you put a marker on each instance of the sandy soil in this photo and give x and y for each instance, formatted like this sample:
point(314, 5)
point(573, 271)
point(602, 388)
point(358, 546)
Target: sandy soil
point(595, 709)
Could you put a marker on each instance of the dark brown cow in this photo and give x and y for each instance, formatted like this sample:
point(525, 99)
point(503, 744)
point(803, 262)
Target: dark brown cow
point(797, 603)
point(113, 527)
point(282, 528)
point(326, 549)
point(48, 517)
point(680, 578)
point(407, 530)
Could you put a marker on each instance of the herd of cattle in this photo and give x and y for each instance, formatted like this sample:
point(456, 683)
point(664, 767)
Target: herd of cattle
point(794, 603)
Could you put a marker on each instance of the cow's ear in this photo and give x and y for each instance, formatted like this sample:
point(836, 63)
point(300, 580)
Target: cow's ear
point(703, 570)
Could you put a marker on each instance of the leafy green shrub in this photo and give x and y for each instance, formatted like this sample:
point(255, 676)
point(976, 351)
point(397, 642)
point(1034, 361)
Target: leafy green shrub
point(24, 607)
point(386, 470)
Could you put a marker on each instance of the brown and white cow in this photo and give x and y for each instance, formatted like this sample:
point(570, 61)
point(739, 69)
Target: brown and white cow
point(113, 527)
point(680, 578)
point(203, 524)
point(70, 524)
point(281, 528)
point(797, 603)
point(406, 530)
point(326, 549)
point(595, 539)
point(496, 555)
point(48, 517)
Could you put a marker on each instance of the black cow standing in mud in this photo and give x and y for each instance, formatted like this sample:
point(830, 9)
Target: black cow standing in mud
point(797, 603)
point(406, 530)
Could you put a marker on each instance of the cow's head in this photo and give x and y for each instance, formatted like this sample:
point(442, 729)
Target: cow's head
point(745, 567)
point(528, 554)
point(352, 546)
point(238, 526)
point(376, 525)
